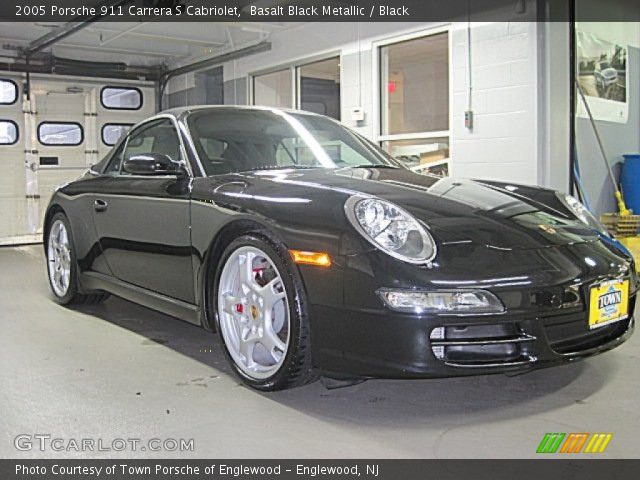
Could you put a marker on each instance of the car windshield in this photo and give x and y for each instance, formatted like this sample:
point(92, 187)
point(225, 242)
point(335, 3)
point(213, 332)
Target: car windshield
point(238, 140)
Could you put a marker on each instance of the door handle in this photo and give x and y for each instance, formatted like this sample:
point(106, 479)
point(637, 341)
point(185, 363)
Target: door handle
point(100, 205)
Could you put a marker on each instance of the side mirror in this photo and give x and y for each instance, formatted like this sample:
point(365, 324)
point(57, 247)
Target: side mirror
point(152, 164)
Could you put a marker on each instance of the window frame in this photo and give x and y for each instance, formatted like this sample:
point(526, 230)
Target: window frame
point(61, 145)
point(376, 75)
point(16, 88)
point(121, 87)
point(8, 120)
point(112, 154)
point(108, 124)
point(293, 68)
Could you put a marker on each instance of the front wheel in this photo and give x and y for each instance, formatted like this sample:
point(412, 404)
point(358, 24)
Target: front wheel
point(261, 314)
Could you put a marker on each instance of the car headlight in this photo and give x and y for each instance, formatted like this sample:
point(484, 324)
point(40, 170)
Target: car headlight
point(391, 229)
point(583, 214)
point(444, 302)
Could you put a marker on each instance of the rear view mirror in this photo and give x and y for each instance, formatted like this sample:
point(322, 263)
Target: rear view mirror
point(152, 164)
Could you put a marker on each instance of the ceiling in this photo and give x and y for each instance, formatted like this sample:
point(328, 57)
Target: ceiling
point(148, 43)
point(139, 43)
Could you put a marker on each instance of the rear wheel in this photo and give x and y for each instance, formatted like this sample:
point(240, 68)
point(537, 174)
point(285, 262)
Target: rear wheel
point(62, 268)
point(261, 315)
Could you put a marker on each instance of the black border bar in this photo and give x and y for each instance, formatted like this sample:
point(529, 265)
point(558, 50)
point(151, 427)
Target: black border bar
point(314, 11)
point(569, 468)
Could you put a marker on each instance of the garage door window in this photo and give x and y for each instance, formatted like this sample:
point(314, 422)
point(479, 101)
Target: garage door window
point(414, 100)
point(60, 133)
point(8, 132)
point(112, 132)
point(8, 92)
point(120, 98)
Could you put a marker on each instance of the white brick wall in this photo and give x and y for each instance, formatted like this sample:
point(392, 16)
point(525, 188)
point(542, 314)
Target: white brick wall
point(503, 144)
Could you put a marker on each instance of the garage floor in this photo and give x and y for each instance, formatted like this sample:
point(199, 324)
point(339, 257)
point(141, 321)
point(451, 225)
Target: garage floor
point(120, 371)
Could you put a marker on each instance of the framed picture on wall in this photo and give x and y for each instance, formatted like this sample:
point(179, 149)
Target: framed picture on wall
point(602, 67)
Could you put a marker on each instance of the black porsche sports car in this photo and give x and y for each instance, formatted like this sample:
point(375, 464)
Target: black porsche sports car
point(312, 252)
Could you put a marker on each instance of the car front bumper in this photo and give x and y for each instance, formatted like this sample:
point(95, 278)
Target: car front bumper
point(395, 345)
point(541, 326)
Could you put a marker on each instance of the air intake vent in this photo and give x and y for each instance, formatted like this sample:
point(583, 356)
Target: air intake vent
point(480, 345)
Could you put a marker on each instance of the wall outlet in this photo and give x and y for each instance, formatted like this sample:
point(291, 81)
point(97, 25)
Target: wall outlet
point(357, 114)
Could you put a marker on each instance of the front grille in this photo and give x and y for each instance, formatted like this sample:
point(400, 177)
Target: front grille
point(571, 333)
point(481, 345)
point(512, 344)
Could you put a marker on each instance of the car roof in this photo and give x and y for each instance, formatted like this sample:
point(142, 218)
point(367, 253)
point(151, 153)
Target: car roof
point(181, 111)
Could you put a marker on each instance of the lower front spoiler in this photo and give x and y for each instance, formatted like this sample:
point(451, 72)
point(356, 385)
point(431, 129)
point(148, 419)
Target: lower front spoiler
point(390, 345)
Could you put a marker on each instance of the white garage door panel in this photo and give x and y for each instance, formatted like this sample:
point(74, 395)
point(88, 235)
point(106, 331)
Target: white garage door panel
point(12, 156)
point(26, 185)
point(68, 109)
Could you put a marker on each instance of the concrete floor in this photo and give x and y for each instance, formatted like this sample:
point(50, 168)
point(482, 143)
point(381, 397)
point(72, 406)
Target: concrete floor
point(121, 371)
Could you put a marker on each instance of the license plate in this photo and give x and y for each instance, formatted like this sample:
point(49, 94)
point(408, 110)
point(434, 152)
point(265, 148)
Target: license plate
point(609, 302)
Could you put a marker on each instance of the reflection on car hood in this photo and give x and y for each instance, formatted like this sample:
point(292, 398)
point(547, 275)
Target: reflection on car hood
point(456, 211)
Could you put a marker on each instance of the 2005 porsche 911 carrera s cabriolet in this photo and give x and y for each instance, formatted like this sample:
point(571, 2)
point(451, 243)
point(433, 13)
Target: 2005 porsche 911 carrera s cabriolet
point(312, 252)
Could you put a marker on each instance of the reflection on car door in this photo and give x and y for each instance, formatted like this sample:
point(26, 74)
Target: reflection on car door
point(143, 222)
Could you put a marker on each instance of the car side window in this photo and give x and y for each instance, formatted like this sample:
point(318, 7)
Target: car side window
point(155, 137)
point(158, 137)
point(113, 167)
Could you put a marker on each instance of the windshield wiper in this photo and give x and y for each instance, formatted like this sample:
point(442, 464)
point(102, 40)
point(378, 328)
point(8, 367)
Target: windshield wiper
point(282, 167)
point(381, 165)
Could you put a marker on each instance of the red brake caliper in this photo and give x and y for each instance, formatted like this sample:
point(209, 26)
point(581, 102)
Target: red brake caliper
point(258, 273)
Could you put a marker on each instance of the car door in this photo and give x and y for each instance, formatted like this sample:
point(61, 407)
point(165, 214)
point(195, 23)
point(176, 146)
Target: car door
point(143, 220)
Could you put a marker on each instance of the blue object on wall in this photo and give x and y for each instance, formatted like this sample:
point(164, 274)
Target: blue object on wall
point(630, 181)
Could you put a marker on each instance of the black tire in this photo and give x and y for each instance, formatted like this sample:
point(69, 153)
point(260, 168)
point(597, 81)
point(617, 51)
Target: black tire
point(296, 370)
point(72, 295)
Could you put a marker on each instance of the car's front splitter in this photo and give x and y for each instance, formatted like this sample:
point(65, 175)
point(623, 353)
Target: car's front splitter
point(394, 345)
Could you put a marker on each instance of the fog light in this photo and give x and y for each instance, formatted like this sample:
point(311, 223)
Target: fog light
point(438, 334)
point(442, 301)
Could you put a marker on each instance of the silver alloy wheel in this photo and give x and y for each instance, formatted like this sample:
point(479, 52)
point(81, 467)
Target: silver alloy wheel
point(59, 258)
point(253, 311)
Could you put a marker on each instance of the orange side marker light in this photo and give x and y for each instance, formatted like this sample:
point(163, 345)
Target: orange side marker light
point(319, 259)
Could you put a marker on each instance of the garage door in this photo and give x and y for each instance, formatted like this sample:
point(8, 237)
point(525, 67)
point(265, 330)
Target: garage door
point(52, 138)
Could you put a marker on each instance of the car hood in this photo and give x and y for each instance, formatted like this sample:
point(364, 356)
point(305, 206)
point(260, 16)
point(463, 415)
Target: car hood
point(456, 211)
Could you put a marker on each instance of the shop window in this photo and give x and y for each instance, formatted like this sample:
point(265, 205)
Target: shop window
point(320, 87)
point(414, 77)
point(8, 132)
point(427, 155)
point(121, 98)
point(414, 101)
point(60, 133)
point(273, 89)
